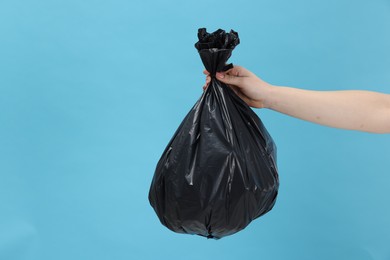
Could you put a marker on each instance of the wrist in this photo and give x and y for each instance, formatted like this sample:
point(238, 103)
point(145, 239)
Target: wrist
point(268, 93)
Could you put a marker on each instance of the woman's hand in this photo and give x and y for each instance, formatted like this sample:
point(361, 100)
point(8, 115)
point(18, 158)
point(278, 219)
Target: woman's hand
point(360, 110)
point(247, 85)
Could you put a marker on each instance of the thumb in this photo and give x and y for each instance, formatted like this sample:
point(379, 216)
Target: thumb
point(229, 79)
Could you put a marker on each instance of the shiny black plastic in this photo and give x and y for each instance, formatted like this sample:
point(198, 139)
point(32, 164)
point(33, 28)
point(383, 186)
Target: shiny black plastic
point(218, 172)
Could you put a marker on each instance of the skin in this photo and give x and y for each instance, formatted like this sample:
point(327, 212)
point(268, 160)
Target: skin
point(360, 110)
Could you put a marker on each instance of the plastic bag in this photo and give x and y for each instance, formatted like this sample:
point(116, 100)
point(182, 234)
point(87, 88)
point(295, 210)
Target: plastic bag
point(218, 172)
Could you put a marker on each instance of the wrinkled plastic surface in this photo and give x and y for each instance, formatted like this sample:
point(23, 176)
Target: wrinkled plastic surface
point(218, 172)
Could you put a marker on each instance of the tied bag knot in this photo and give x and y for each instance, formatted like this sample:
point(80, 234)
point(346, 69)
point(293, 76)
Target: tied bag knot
point(216, 48)
point(214, 60)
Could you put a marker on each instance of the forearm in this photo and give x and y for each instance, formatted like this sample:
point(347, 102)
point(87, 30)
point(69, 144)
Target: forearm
point(351, 109)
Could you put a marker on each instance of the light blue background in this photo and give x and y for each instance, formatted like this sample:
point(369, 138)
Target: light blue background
point(92, 91)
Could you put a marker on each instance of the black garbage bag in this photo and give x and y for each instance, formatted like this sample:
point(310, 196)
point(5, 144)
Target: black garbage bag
point(218, 172)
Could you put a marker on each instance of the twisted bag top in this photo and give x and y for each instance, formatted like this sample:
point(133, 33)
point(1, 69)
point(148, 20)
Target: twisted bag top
point(218, 172)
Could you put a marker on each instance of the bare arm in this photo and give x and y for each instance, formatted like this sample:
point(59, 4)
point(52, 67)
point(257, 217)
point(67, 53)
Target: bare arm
point(350, 109)
point(356, 110)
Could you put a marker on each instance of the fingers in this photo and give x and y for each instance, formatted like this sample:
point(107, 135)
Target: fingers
point(233, 76)
point(236, 70)
point(231, 79)
point(208, 80)
point(239, 71)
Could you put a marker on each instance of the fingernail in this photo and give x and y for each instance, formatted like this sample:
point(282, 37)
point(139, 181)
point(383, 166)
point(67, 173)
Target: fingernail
point(220, 75)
